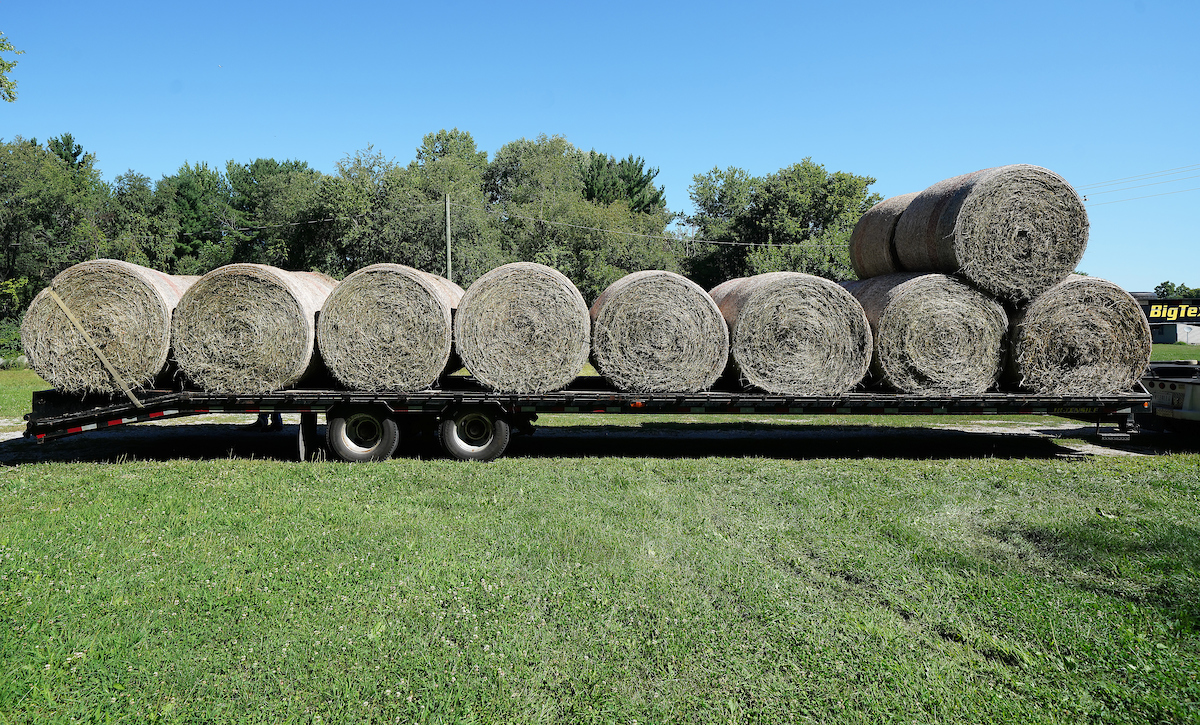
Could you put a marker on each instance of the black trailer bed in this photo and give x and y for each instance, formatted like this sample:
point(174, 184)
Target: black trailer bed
point(55, 414)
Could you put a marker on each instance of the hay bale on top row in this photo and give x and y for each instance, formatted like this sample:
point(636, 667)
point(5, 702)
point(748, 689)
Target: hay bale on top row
point(125, 309)
point(933, 334)
point(388, 327)
point(873, 241)
point(655, 332)
point(1013, 231)
point(523, 328)
point(794, 333)
point(249, 328)
point(1084, 336)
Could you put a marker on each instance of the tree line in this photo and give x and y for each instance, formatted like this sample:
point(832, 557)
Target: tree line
point(591, 215)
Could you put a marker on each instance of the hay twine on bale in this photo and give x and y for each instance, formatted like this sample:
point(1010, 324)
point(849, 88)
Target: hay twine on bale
point(873, 241)
point(657, 332)
point(933, 334)
point(125, 309)
point(388, 327)
point(523, 328)
point(795, 334)
point(1084, 336)
point(249, 328)
point(1013, 231)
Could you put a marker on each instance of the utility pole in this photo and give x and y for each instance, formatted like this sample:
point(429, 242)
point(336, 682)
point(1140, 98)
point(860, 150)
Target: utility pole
point(449, 272)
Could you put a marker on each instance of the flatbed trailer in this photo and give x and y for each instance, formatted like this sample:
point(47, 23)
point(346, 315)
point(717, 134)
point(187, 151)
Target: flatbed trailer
point(476, 424)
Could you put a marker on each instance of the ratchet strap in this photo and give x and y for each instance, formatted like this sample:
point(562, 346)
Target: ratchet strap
point(95, 348)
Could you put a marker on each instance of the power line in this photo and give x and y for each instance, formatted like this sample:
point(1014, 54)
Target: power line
point(1138, 177)
point(1139, 186)
point(686, 240)
point(1148, 196)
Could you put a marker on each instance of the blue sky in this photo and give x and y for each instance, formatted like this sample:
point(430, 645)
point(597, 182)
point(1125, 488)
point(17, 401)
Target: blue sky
point(908, 93)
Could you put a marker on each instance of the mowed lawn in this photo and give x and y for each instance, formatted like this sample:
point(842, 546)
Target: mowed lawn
point(1175, 352)
point(601, 589)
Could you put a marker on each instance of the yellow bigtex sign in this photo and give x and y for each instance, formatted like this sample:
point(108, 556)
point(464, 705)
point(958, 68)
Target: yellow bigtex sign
point(1181, 311)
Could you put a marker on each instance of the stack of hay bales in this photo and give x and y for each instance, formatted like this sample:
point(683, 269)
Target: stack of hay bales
point(388, 327)
point(656, 332)
point(1014, 233)
point(523, 328)
point(249, 328)
point(794, 333)
point(124, 308)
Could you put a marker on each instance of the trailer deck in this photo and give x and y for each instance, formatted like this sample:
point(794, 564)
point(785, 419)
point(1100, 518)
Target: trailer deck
point(472, 417)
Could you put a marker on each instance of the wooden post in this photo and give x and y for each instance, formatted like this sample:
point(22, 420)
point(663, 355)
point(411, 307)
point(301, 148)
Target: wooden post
point(449, 271)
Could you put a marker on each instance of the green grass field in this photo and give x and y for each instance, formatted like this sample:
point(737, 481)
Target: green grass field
point(641, 588)
point(602, 590)
point(1175, 352)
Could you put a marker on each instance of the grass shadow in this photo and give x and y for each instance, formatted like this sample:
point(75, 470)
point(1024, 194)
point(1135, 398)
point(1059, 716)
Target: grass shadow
point(1148, 563)
point(785, 441)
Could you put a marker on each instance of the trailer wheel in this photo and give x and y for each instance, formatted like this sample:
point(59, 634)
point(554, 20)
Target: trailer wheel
point(474, 435)
point(364, 434)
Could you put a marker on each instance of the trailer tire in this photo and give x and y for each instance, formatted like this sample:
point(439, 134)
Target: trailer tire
point(474, 435)
point(362, 434)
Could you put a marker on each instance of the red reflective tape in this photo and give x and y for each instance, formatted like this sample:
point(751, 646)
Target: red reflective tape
point(75, 430)
point(155, 415)
point(39, 436)
point(118, 421)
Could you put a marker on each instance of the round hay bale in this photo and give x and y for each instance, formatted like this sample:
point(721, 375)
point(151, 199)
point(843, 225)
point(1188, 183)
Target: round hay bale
point(873, 241)
point(1083, 336)
point(795, 334)
point(249, 328)
point(388, 327)
point(1013, 231)
point(523, 328)
point(933, 334)
point(125, 309)
point(658, 332)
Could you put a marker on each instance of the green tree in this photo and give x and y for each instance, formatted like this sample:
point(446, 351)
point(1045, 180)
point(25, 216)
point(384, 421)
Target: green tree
point(202, 202)
point(723, 200)
point(1170, 290)
point(8, 87)
point(447, 164)
point(606, 180)
point(537, 191)
point(65, 148)
point(353, 199)
point(799, 219)
point(141, 223)
point(50, 214)
point(274, 201)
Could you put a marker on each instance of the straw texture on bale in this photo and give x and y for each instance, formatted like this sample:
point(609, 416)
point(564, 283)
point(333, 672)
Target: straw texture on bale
point(656, 332)
point(249, 328)
point(795, 334)
point(933, 334)
point(523, 328)
point(388, 327)
point(873, 241)
point(1084, 336)
point(1013, 231)
point(126, 310)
